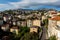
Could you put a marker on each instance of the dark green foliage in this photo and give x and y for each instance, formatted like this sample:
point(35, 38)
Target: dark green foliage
point(30, 36)
point(48, 16)
point(52, 38)
point(22, 32)
point(40, 29)
point(45, 21)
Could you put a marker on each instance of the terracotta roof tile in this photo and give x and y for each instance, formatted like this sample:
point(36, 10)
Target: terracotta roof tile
point(53, 12)
point(57, 18)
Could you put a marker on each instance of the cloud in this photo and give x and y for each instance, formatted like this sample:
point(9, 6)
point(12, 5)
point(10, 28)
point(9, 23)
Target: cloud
point(30, 4)
point(45, 1)
point(1, 5)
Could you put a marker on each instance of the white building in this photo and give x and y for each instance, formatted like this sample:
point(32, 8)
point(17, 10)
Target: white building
point(5, 27)
point(29, 23)
point(44, 17)
point(54, 27)
point(58, 13)
point(36, 22)
point(14, 29)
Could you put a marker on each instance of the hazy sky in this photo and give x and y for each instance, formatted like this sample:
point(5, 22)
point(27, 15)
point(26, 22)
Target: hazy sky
point(29, 4)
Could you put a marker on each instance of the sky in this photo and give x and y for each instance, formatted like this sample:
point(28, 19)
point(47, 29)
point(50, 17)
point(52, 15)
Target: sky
point(29, 4)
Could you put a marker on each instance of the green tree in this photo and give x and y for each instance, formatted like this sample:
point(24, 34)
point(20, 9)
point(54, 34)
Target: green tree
point(52, 38)
point(30, 36)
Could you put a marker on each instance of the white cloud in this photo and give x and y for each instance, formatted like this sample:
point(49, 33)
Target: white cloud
point(45, 1)
point(23, 3)
point(20, 3)
point(1, 5)
point(28, 3)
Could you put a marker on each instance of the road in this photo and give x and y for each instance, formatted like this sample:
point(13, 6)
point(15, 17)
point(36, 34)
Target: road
point(43, 35)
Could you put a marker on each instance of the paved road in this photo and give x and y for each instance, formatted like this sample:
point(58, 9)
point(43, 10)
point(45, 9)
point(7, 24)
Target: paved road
point(43, 37)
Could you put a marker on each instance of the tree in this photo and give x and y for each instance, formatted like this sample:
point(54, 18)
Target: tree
point(52, 38)
point(45, 21)
point(30, 36)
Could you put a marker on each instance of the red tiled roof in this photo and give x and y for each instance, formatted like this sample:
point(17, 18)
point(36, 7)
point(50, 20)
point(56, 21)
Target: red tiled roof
point(53, 12)
point(57, 18)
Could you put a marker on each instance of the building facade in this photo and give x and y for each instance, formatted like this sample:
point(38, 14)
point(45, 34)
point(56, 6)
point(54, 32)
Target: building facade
point(54, 27)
